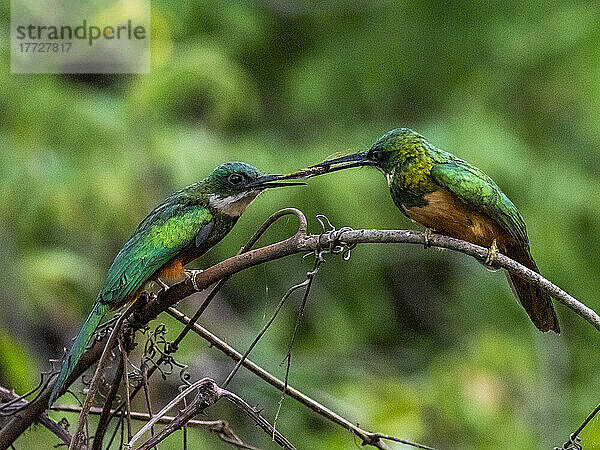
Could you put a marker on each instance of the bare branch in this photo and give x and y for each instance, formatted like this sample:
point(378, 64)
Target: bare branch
point(77, 441)
point(208, 393)
point(574, 439)
point(220, 427)
point(310, 277)
point(125, 362)
point(300, 242)
point(367, 438)
point(58, 429)
point(264, 330)
point(258, 419)
point(106, 416)
point(303, 243)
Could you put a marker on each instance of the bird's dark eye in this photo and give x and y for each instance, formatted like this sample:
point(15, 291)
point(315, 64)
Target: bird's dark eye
point(235, 179)
point(375, 155)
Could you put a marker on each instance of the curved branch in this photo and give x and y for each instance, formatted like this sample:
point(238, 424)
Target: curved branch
point(303, 243)
point(298, 243)
point(366, 437)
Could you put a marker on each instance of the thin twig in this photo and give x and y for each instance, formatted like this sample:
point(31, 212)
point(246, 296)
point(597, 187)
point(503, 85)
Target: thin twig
point(258, 419)
point(203, 382)
point(76, 443)
point(56, 428)
point(220, 427)
point(125, 361)
point(367, 437)
point(147, 395)
point(105, 417)
point(264, 330)
point(573, 442)
point(208, 393)
point(120, 426)
point(310, 276)
point(16, 403)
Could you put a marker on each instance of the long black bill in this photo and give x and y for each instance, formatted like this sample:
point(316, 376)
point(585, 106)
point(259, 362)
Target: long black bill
point(354, 160)
point(271, 181)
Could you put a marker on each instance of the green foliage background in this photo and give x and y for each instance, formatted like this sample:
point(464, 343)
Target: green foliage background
point(424, 345)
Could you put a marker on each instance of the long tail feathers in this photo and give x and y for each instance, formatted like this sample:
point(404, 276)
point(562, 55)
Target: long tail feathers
point(536, 302)
point(81, 342)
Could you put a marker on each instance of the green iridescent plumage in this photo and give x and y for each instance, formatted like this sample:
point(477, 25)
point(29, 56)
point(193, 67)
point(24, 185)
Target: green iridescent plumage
point(183, 227)
point(452, 197)
point(420, 168)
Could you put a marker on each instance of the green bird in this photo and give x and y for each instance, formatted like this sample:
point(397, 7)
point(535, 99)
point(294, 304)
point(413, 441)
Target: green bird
point(452, 197)
point(183, 227)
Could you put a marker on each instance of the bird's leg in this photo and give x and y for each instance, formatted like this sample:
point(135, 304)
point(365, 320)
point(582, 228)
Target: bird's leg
point(165, 287)
point(427, 238)
point(191, 275)
point(492, 254)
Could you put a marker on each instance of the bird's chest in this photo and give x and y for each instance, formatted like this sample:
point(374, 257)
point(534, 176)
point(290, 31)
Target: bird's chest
point(445, 213)
point(409, 185)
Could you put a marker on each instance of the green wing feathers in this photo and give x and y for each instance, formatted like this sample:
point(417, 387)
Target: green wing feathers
point(162, 235)
point(81, 342)
point(478, 190)
point(153, 245)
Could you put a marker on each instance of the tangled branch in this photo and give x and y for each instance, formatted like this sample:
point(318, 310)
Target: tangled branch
point(367, 438)
point(301, 242)
point(208, 393)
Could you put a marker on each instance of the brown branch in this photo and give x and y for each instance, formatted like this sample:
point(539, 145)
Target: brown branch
point(208, 393)
point(303, 243)
point(113, 337)
point(106, 416)
point(125, 362)
point(146, 395)
point(6, 395)
point(55, 428)
point(367, 437)
point(574, 439)
point(302, 227)
point(298, 243)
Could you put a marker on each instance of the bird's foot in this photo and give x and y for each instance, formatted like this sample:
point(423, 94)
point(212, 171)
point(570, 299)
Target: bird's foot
point(491, 256)
point(148, 297)
point(427, 238)
point(164, 286)
point(191, 275)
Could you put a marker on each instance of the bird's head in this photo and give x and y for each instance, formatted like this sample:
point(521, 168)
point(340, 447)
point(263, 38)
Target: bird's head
point(233, 185)
point(390, 150)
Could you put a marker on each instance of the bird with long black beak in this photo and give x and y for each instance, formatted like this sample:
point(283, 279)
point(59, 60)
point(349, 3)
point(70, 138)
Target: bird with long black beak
point(182, 228)
point(449, 196)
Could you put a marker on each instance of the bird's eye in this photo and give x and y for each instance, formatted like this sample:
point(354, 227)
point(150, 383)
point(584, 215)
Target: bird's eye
point(375, 155)
point(235, 179)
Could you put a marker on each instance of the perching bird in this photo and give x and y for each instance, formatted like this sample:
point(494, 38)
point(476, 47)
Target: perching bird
point(179, 230)
point(451, 197)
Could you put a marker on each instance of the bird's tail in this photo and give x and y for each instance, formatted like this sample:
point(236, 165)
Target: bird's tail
point(81, 341)
point(536, 302)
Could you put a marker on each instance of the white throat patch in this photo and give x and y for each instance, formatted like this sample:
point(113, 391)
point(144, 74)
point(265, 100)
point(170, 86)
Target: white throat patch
point(233, 205)
point(390, 176)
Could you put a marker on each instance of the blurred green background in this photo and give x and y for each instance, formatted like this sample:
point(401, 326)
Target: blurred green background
point(423, 345)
